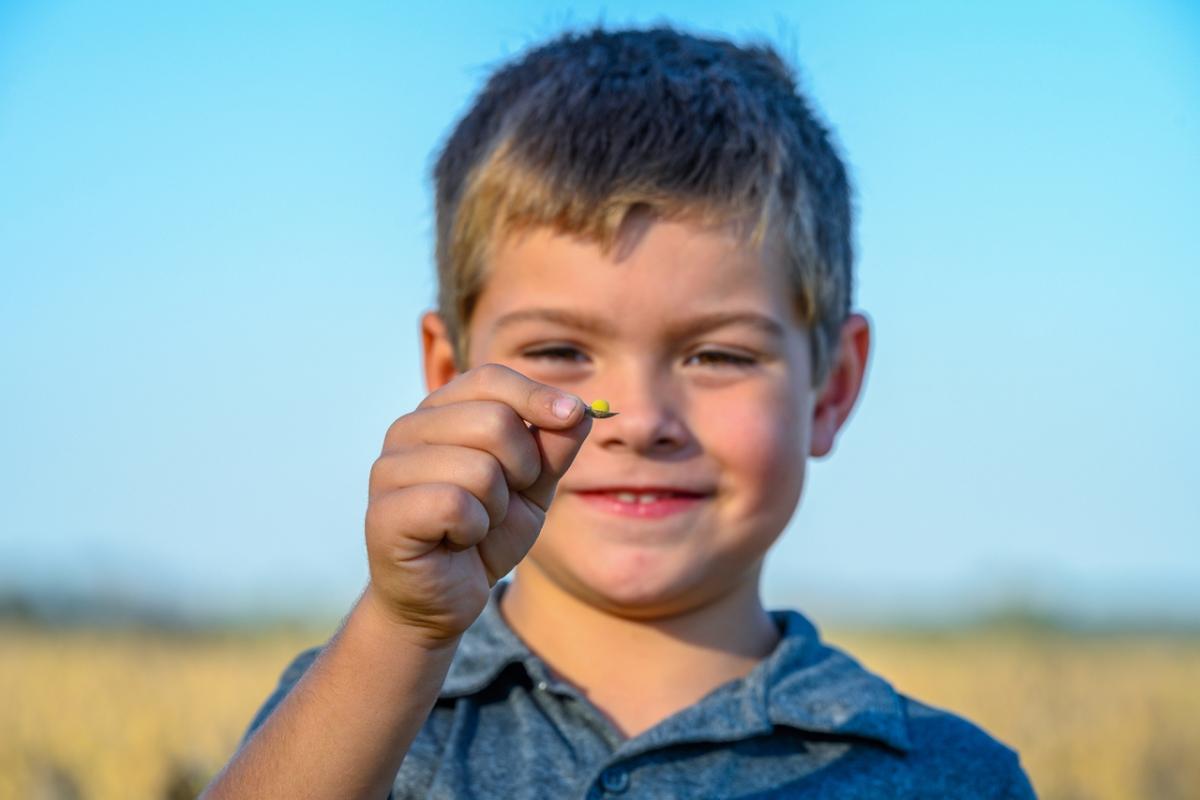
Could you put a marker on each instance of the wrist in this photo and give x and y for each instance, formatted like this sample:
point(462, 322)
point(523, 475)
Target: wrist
point(379, 615)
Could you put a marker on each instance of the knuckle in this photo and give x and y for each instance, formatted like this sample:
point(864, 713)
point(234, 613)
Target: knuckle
point(492, 376)
point(486, 473)
point(380, 469)
point(540, 397)
point(397, 431)
point(529, 470)
point(457, 507)
point(494, 487)
point(496, 422)
point(398, 424)
point(526, 463)
point(379, 512)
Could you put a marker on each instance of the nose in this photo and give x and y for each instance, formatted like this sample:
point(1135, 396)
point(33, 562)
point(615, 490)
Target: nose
point(651, 415)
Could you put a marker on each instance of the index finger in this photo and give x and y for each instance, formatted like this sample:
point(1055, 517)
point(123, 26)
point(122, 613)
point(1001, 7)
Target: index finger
point(537, 403)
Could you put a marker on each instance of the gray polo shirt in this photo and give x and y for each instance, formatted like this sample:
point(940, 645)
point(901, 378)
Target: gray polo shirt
point(808, 721)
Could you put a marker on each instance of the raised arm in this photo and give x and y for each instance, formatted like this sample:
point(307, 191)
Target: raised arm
point(457, 497)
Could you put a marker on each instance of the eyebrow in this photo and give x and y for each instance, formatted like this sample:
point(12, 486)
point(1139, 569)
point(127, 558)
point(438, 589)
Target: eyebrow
point(600, 327)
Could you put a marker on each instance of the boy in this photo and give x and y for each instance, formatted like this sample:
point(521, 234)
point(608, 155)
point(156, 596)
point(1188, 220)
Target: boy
point(656, 219)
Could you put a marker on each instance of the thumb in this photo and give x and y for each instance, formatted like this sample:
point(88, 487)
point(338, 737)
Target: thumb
point(558, 448)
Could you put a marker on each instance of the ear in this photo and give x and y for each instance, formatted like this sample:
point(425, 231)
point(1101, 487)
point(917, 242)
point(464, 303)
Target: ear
point(836, 398)
point(437, 350)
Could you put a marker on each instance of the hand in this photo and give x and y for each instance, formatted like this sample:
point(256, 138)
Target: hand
point(460, 492)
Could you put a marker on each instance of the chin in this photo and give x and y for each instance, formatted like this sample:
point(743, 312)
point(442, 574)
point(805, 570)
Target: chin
point(643, 589)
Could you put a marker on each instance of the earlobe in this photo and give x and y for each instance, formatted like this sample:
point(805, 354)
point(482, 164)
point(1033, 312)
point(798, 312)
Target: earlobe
point(836, 399)
point(437, 351)
point(822, 433)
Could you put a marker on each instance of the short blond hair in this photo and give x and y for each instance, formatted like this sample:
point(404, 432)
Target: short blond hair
point(578, 132)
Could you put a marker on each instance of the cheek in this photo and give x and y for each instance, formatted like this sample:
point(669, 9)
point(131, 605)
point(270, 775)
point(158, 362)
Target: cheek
point(761, 447)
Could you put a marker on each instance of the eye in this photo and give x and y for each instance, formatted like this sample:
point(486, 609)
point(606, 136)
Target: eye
point(715, 358)
point(554, 354)
point(720, 358)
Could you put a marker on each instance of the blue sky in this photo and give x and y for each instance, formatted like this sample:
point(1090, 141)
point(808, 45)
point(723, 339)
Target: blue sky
point(216, 239)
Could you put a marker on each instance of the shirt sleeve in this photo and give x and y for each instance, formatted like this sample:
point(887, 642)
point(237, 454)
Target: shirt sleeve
point(1019, 787)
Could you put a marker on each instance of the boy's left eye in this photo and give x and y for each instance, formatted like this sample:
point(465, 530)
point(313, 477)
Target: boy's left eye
point(720, 357)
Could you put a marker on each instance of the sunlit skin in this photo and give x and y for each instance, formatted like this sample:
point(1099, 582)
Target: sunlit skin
point(728, 409)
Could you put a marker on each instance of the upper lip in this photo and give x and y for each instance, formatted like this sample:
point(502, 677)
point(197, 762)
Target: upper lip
point(645, 489)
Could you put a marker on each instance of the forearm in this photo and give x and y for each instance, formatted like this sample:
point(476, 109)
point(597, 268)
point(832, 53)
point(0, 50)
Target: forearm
point(345, 727)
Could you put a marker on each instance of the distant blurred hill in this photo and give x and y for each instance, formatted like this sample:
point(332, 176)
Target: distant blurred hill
point(1016, 615)
point(70, 610)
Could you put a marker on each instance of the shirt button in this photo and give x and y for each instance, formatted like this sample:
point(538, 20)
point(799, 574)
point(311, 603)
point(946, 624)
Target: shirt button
point(615, 780)
point(542, 686)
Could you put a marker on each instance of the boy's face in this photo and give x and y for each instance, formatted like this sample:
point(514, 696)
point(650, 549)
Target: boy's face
point(690, 335)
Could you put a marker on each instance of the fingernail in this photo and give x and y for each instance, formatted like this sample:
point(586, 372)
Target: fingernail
point(564, 407)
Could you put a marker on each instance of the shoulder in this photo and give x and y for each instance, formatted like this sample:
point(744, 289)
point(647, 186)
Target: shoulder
point(912, 748)
point(953, 757)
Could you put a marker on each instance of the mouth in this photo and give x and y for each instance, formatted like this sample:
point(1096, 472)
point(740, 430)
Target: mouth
point(643, 504)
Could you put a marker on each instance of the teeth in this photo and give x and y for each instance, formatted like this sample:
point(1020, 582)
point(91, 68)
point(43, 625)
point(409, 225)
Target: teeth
point(633, 497)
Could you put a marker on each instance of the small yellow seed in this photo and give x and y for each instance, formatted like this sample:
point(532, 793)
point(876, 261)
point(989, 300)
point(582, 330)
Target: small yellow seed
point(599, 409)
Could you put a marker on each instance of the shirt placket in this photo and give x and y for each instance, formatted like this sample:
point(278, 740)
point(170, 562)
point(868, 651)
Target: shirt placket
point(573, 713)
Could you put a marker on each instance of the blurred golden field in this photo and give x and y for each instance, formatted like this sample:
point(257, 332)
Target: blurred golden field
point(94, 713)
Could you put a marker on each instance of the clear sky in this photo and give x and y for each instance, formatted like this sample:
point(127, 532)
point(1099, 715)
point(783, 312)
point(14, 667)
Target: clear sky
point(216, 239)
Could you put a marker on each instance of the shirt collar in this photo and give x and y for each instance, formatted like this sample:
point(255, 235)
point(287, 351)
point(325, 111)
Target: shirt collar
point(814, 686)
point(803, 684)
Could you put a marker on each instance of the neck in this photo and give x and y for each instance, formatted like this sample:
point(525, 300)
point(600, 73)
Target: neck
point(638, 671)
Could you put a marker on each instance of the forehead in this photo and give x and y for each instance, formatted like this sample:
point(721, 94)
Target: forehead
point(658, 271)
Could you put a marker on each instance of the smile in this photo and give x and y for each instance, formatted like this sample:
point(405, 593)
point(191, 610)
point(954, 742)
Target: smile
point(642, 505)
